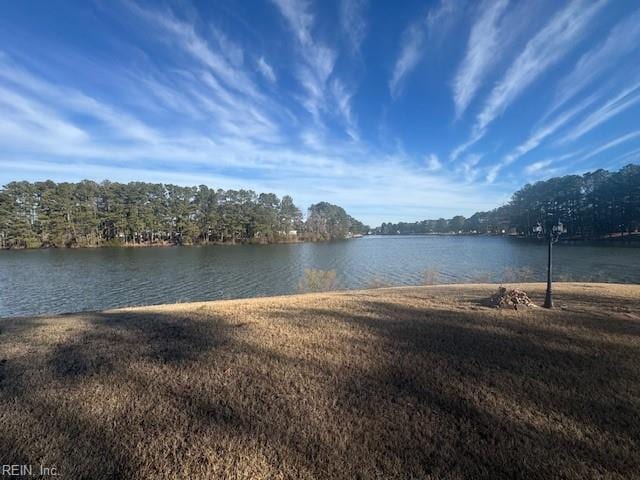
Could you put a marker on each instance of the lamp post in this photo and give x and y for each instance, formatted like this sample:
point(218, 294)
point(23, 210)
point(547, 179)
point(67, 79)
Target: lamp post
point(553, 233)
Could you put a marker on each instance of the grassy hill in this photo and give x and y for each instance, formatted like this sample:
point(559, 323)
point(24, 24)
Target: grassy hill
point(416, 382)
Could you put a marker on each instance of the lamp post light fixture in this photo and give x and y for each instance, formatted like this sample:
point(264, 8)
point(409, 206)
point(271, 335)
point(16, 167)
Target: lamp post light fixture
point(553, 233)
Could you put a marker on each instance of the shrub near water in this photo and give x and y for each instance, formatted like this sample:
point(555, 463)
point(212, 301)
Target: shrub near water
point(316, 280)
point(380, 282)
point(430, 276)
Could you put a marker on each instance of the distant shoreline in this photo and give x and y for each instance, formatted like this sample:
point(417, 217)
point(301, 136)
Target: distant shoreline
point(172, 245)
point(631, 240)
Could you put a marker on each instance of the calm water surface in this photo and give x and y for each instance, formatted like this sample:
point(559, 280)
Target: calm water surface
point(56, 281)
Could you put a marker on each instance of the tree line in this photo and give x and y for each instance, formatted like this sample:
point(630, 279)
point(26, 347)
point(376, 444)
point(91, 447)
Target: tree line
point(594, 205)
point(90, 214)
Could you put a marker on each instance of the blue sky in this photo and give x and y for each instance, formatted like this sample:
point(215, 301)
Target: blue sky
point(394, 110)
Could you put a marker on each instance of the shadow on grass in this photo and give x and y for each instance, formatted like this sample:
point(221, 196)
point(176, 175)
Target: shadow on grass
point(384, 390)
point(510, 398)
point(163, 338)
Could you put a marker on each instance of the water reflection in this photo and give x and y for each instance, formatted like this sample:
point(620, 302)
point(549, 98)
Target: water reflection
point(55, 281)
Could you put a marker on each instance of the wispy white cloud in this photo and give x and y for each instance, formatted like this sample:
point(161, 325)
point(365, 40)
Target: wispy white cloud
point(164, 96)
point(492, 173)
point(223, 88)
point(326, 94)
point(540, 133)
point(36, 93)
point(299, 18)
point(266, 70)
point(463, 147)
point(393, 178)
point(313, 74)
point(67, 146)
point(611, 144)
point(353, 23)
point(231, 51)
point(545, 49)
point(316, 61)
point(433, 163)
point(342, 99)
point(469, 167)
point(442, 18)
point(624, 100)
point(483, 51)
point(31, 113)
point(626, 157)
point(550, 166)
point(211, 110)
point(414, 39)
point(224, 66)
point(412, 44)
point(545, 130)
point(536, 167)
point(622, 40)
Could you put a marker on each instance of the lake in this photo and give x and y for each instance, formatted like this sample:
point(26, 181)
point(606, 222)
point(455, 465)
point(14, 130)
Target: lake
point(57, 281)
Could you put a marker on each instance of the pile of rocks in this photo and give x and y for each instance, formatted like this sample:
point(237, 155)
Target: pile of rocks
point(510, 298)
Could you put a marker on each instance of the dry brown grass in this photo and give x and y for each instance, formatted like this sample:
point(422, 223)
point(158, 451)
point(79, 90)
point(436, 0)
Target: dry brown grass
point(415, 382)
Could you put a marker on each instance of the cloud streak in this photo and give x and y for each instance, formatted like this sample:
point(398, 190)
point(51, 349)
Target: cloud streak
point(622, 40)
point(624, 100)
point(353, 23)
point(481, 54)
point(191, 101)
point(611, 144)
point(413, 42)
point(122, 147)
point(410, 53)
point(266, 70)
point(315, 68)
point(538, 136)
point(545, 49)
